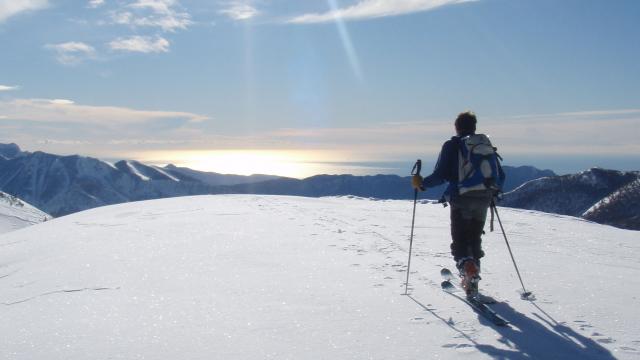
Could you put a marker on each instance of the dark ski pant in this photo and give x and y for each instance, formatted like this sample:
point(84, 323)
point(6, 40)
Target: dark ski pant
point(468, 215)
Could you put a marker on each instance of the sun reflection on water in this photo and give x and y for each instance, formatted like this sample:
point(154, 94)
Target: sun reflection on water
point(296, 164)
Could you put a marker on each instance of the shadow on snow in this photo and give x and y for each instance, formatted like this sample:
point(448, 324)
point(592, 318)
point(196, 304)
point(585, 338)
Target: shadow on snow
point(527, 338)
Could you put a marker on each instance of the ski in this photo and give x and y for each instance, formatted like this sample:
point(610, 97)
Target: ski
point(477, 305)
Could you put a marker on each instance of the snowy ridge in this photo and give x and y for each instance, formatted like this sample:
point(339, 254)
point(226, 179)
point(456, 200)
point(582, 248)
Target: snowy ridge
point(109, 164)
point(144, 172)
point(579, 195)
point(136, 172)
point(613, 197)
point(274, 277)
point(160, 170)
point(16, 214)
point(603, 202)
point(621, 208)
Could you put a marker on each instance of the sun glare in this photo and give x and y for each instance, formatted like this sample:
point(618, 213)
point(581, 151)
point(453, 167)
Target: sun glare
point(297, 164)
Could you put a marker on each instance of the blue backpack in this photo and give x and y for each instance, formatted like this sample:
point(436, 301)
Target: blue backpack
point(478, 164)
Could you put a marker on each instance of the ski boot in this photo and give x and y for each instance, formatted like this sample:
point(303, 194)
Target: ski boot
point(470, 274)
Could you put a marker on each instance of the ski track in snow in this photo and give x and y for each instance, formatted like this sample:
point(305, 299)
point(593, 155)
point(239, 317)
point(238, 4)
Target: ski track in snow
point(56, 292)
point(369, 241)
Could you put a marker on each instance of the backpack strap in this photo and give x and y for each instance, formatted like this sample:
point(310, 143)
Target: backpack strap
point(497, 155)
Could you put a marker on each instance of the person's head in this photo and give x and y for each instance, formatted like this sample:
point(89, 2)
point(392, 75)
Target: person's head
point(466, 123)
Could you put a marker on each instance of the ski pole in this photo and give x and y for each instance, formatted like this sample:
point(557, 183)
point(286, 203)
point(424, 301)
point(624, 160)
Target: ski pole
point(525, 294)
point(415, 171)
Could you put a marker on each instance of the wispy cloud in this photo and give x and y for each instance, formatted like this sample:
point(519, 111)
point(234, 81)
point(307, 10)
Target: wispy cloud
point(571, 133)
point(369, 9)
point(8, 88)
point(9, 8)
point(143, 44)
point(583, 114)
point(583, 133)
point(163, 14)
point(72, 53)
point(67, 111)
point(95, 3)
point(238, 10)
point(61, 102)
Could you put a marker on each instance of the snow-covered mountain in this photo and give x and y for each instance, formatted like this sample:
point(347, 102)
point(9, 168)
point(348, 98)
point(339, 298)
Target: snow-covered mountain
point(271, 277)
point(621, 208)
point(61, 185)
point(604, 196)
point(16, 214)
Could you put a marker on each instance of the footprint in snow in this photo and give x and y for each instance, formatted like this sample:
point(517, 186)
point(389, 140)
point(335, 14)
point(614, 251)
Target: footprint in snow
point(606, 340)
point(628, 349)
point(126, 214)
point(457, 346)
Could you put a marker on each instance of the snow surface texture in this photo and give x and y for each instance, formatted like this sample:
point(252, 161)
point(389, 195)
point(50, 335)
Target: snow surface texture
point(16, 214)
point(274, 277)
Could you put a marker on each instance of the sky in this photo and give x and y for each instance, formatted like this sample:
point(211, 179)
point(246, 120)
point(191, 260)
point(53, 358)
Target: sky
point(297, 88)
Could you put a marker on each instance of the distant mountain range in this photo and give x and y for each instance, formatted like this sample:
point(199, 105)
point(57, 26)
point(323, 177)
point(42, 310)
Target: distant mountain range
point(62, 185)
point(377, 186)
point(603, 196)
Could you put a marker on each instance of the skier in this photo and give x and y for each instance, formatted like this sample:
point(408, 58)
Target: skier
point(472, 187)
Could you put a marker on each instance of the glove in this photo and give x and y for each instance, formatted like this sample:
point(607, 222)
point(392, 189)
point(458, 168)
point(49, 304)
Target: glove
point(416, 182)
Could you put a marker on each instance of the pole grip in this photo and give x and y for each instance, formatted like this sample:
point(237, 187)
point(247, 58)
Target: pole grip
point(417, 168)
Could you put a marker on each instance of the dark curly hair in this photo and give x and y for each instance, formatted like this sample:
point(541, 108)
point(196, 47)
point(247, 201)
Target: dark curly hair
point(466, 123)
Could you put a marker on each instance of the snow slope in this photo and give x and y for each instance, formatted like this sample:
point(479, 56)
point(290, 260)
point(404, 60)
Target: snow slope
point(274, 277)
point(16, 214)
